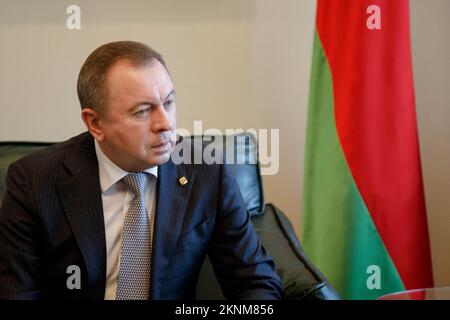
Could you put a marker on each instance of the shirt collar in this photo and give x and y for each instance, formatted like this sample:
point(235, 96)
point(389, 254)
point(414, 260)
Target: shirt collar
point(109, 172)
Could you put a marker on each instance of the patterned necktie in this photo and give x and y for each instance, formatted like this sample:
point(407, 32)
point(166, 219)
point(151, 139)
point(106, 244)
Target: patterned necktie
point(135, 259)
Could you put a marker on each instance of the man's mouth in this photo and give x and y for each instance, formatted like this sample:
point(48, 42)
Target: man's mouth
point(159, 144)
point(161, 147)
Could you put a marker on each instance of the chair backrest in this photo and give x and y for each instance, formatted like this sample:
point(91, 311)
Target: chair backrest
point(240, 153)
point(12, 151)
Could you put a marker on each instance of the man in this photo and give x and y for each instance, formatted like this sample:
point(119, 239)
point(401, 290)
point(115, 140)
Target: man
point(111, 207)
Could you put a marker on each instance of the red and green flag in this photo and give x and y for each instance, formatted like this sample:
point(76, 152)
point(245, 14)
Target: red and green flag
point(364, 220)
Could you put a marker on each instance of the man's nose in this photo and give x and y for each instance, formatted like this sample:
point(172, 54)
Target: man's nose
point(160, 120)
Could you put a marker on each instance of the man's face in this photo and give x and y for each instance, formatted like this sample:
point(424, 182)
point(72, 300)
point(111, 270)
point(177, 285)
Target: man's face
point(139, 124)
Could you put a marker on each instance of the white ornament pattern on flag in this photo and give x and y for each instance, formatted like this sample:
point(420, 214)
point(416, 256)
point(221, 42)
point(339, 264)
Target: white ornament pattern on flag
point(135, 260)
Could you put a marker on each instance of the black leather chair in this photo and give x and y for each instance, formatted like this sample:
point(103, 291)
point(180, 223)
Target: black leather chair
point(300, 278)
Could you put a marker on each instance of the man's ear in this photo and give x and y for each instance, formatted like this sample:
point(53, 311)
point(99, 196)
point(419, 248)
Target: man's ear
point(91, 119)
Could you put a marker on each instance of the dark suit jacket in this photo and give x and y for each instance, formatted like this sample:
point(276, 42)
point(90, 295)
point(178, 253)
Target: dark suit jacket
point(52, 218)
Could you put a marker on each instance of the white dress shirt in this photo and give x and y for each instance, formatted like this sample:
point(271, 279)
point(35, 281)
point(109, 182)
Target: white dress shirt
point(116, 198)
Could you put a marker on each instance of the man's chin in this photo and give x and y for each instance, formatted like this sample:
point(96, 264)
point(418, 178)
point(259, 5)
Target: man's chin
point(159, 159)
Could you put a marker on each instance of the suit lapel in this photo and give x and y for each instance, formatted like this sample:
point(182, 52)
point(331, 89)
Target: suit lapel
point(81, 198)
point(172, 201)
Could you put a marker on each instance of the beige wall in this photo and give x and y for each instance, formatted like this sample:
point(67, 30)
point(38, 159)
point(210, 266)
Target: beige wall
point(430, 25)
point(235, 63)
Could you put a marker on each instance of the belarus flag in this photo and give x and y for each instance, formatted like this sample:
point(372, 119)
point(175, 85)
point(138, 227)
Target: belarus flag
point(364, 220)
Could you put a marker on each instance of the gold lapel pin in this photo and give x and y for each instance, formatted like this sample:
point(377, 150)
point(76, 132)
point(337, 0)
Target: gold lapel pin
point(183, 181)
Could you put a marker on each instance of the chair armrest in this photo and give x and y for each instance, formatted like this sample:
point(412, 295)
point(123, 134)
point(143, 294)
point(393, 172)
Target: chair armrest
point(300, 278)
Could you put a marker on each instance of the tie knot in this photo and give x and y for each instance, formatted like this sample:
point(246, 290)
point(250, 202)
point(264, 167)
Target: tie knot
point(136, 182)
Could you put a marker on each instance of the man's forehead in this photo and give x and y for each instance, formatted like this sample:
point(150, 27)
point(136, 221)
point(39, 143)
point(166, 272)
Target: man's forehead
point(149, 79)
point(152, 68)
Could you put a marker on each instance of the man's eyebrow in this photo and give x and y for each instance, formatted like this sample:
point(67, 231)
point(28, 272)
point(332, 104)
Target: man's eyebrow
point(172, 92)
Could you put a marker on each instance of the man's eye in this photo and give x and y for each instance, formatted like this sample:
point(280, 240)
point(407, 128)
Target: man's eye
point(141, 113)
point(168, 103)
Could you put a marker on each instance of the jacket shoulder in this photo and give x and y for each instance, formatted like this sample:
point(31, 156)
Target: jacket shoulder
point(54, 153)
